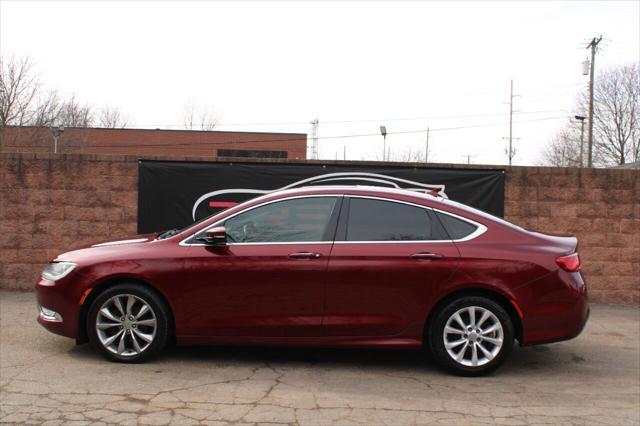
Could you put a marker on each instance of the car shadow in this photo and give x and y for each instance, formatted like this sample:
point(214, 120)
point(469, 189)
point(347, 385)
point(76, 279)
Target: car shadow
point(305, 356)
point(556, 359)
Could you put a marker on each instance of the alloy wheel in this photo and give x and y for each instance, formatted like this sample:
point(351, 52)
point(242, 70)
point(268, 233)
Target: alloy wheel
point(126, 325)
point(473, 336)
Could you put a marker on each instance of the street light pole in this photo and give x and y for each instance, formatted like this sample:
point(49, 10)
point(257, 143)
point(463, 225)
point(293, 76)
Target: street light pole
point(56, 132)
point(426, 150)
point(383, 131)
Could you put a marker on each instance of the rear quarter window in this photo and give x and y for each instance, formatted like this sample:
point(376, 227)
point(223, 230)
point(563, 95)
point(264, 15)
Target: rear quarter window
point(456, 228)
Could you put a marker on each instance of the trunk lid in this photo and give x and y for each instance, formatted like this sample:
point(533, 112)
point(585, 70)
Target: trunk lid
point(557, 243)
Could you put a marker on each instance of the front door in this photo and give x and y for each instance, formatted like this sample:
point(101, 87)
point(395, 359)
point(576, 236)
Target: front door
point(387, 261)
point(269, 280)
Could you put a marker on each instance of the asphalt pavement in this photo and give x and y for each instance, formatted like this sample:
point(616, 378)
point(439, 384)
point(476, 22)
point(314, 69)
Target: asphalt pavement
point(47, 379)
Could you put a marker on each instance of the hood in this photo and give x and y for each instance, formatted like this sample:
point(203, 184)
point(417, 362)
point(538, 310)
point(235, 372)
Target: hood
point(107, 250)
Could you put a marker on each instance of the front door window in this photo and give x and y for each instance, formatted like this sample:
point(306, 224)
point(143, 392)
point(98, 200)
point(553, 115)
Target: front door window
point(296, 220)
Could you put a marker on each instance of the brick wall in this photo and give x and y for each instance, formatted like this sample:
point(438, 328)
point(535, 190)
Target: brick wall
point(49, 204)
point(144, 142)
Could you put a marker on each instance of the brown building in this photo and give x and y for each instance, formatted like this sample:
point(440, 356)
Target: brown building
point(156, 142)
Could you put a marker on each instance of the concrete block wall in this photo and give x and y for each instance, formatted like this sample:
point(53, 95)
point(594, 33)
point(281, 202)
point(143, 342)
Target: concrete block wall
point(52, 203)
point(49, 204)
point(599, 206)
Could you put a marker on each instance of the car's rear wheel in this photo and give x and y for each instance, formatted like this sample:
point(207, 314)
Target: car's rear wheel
point(128, 323)
point(471, 335)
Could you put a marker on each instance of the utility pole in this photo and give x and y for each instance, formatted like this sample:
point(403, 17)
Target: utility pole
point(511, 153)
point(511, 123)
point(314, 139)
point(510, 150)
point(426, 150)
point(468, 157)
point(344, 152)
point(581, 119)
point(592, 45)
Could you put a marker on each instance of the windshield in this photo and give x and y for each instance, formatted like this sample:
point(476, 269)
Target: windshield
point(199, 221)
point(203, 219)
point(171, 232)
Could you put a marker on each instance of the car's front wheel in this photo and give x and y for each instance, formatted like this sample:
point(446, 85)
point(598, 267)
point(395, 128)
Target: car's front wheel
point(471, 335)
point(128, 323)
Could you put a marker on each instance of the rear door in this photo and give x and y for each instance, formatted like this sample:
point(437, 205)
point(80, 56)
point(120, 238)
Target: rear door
point(387, 260)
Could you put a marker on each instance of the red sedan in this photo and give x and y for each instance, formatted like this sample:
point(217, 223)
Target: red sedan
point(325, 266)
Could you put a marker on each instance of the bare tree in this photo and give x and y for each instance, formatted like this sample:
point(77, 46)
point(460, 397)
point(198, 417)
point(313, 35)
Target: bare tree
point(189, 114)
point(23, 102)
point(18, 91)
point(208, 120)
point(198, 118)
point(74, 114)
point(47, 110)
point(408, 155)
point(616, 122)
point(563, 150)
point(616, 115)
point(112, 118)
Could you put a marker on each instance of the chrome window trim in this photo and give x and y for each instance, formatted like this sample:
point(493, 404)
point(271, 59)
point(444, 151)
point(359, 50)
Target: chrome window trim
point(480, 228)
point(218, 223)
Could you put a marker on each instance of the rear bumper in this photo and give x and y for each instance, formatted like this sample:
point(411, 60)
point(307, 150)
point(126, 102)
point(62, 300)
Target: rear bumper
point(558, 311)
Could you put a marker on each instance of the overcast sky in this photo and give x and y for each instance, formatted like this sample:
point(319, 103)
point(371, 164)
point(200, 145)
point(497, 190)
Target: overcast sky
point(281, 64)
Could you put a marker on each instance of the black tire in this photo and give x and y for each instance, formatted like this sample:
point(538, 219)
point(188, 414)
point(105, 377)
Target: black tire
point(436, 335)
point(159, 310)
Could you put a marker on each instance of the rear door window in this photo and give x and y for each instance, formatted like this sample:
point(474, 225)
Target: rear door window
point(381, 220)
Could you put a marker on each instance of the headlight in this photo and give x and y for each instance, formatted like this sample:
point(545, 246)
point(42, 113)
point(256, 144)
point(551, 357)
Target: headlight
point(56, 270)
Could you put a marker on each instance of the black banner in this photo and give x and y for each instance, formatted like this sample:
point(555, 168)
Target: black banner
point(175, 194)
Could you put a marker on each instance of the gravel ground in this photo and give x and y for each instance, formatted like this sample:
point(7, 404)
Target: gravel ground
point(44, 378)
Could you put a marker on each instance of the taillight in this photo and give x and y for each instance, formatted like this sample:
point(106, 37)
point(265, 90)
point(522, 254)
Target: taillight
point(570, 263)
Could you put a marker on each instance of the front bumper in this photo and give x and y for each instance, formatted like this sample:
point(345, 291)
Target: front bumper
point(60, 298)
point(48, 315)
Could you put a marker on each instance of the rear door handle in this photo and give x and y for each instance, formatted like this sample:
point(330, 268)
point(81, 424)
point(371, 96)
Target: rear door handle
point(304, 255)
point(427, 255)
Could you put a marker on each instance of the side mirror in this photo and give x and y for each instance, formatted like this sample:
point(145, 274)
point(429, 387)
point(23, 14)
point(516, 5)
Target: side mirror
point(215, 236)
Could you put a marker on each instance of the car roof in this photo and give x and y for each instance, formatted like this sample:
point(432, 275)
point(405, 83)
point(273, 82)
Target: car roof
point(355, 190)
point(400, 194)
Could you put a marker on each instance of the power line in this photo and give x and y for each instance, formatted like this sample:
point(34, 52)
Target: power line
point(376, 120)
point(293, 139)
point(544, 98)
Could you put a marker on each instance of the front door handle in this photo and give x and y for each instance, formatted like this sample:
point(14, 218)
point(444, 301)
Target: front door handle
point(304, 255)
point(427, 255)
